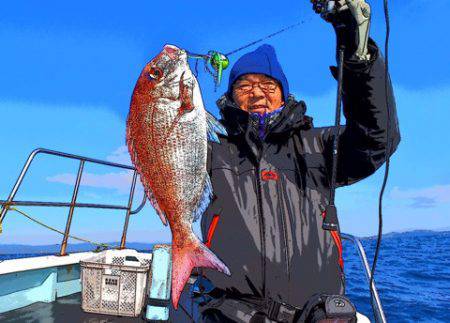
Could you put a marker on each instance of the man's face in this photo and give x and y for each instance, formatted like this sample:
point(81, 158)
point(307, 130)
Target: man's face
point(257, 93)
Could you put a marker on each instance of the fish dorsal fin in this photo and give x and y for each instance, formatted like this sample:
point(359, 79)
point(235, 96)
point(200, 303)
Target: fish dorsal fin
point(214, 127)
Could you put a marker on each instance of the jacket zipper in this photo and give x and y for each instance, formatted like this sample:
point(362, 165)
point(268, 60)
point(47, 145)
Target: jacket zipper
point(283, 222)
point(261, 223)
point(261, 230)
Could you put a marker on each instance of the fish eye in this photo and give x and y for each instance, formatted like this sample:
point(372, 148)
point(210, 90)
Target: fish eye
point(155, 73)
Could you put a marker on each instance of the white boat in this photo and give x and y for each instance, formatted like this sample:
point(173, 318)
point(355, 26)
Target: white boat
point(49, 288)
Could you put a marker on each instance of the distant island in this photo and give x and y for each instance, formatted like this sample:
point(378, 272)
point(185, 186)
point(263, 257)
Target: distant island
point(76, 247)
point(405, 233)
point(140, 246)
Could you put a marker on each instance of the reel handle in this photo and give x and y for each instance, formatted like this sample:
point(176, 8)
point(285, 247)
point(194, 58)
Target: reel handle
point(326, 8)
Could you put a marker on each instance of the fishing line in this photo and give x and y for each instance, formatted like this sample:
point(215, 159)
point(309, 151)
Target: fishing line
point(220, 62)
point(196, 68)
point(387, 151)
point(266, 37)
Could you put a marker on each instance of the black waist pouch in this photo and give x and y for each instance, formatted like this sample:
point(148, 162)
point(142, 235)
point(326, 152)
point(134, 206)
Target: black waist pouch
point(225, 308)
point(328, 308)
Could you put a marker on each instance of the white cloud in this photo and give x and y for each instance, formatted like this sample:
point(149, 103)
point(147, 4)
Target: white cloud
point(120, 181)
point(120, 155)
point(424, 197)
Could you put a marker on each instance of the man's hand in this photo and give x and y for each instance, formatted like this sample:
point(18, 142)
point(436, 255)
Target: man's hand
point(336, 12)
point(361, 13)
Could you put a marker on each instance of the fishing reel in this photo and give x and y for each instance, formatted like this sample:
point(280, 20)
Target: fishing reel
point(361, 12)
point(326, 8)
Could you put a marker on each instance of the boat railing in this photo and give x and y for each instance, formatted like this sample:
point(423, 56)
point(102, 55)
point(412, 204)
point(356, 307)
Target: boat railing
point(375, 298)
point(6, 204)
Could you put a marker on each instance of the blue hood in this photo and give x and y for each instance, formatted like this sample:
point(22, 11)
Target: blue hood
point(261, 61)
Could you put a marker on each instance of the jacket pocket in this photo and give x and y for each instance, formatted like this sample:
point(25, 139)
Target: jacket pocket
point(338, 242)
point(212, 229)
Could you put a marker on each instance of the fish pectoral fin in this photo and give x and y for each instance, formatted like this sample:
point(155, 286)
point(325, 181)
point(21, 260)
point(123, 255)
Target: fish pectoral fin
point(186, 95)
point(204, 198)
point(155, 205)
point(163, 218)
point(214, 127)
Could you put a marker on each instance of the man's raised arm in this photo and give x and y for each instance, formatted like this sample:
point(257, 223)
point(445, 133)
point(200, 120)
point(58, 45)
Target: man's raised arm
point(362, 141)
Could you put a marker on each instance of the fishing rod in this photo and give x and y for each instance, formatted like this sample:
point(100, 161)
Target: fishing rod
point(327, 8)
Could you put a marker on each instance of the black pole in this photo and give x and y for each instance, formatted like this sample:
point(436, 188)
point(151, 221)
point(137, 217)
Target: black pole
point(330, 221)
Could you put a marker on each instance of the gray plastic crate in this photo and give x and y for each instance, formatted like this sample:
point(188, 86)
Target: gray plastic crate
point(115, 282)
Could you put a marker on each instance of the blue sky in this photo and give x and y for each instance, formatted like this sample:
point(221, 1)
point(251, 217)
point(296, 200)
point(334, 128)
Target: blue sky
point(68, 71)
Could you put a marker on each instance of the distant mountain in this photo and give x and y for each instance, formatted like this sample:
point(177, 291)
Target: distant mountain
point(409, 233)
point(78, 247)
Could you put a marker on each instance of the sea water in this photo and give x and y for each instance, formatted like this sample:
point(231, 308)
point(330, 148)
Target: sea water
point(412, 276)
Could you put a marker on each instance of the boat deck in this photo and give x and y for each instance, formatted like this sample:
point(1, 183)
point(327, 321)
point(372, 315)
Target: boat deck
point(68, 309)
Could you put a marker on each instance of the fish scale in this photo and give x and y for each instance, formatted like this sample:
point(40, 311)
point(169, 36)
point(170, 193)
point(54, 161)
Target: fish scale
point(167, 133)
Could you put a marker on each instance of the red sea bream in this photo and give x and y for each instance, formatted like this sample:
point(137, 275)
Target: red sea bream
point(167, 132)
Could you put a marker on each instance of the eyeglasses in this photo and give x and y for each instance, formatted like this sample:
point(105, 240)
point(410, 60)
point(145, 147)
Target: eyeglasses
point(246, 88)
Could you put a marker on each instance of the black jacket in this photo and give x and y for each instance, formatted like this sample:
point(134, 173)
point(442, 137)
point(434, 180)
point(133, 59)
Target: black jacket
point(265, 221)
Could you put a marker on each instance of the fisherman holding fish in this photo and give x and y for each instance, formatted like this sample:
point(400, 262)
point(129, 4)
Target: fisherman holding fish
point(271, 179)
point(262, 182)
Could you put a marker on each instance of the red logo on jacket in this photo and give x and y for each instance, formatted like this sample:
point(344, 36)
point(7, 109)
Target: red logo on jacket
point(267, 175)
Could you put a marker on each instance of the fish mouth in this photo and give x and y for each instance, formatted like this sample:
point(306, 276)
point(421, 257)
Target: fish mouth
point(172, 51)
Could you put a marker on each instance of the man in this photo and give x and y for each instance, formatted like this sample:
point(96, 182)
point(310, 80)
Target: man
point(271, 178)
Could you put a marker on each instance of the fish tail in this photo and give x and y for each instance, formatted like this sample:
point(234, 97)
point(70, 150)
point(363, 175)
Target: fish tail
point(185, 257)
